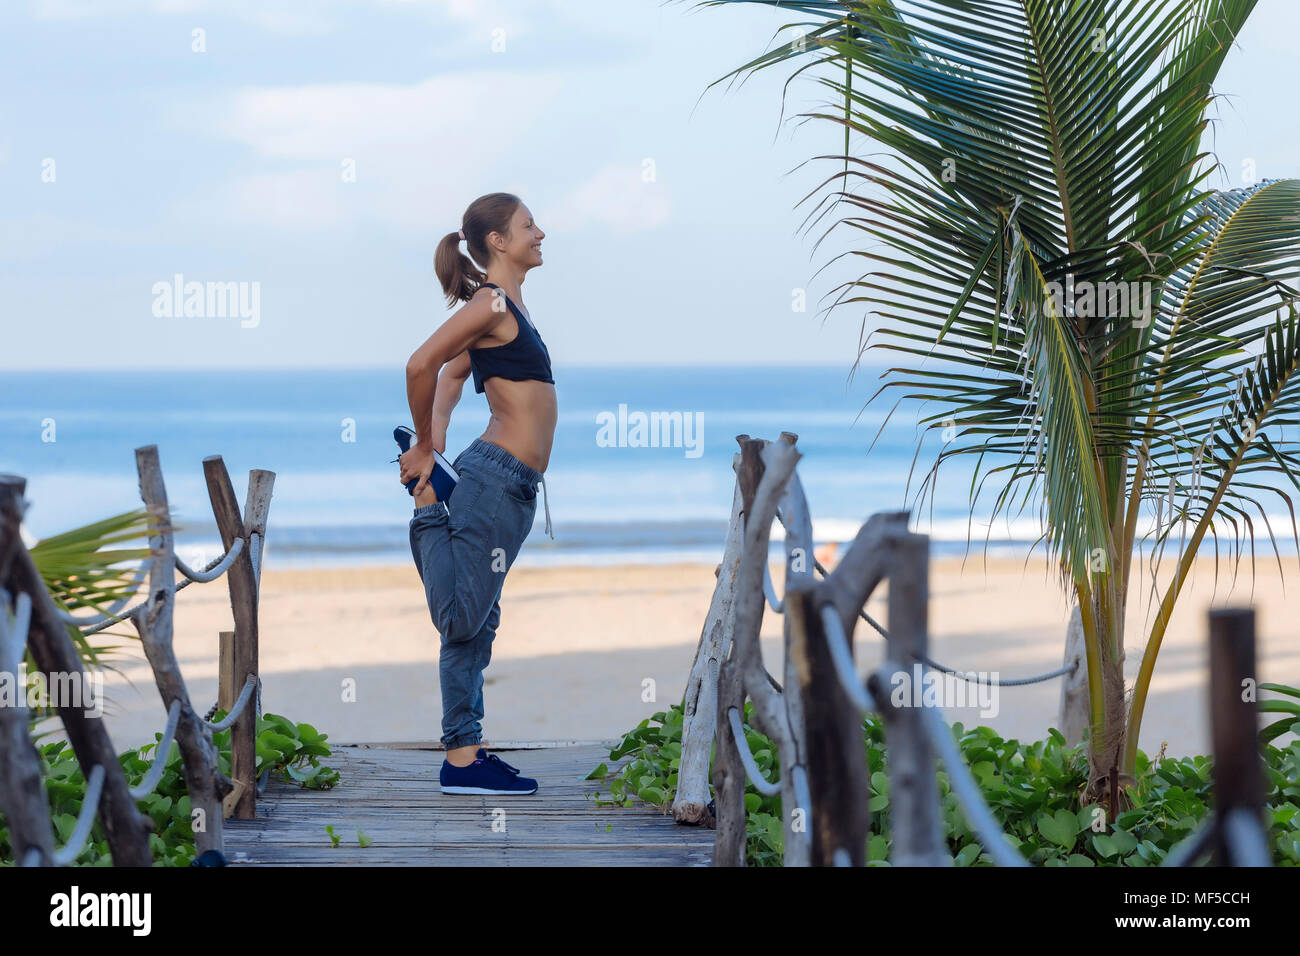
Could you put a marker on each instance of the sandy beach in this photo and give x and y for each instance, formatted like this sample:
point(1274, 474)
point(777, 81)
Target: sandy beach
point(577, 644)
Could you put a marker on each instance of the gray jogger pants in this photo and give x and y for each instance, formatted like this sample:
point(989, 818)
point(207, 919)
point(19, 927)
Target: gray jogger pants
point(463, 553)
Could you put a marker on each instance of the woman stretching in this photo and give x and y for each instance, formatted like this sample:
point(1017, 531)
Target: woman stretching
point(463, 547)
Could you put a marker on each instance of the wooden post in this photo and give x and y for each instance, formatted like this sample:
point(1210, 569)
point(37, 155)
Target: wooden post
point(125, 827)
point(699, 702)
point(204, 781)
point(769, 715)
point(23, 802)
point(1240, 836)
point(728, 771)
point(1073, 717)
point(243, 605)
point(227, 690)
point(913, 787)
point(798, 819)
point(837, 766)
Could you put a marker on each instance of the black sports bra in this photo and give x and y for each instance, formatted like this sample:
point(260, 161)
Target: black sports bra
point(523, 358)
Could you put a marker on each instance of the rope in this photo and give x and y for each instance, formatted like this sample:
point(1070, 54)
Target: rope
point(244, 695)
point(146, 786)
point(1245, 838)
point(85, 819)
point(838, 644)
point(751, 768)
point(109, 616)
point(774, 602)
point(1193, 846)
point(191, 576)
point(967, 792)
point(964, 675)
point(1000, 681)
point(13, 637)
point(213, 570)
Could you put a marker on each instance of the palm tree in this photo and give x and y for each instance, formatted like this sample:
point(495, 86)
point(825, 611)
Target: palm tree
point(1106, 335)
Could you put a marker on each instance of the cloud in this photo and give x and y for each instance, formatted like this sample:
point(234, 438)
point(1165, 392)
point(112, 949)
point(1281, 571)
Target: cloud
point(41, 235)
point(614, 197)
point(420, 151)
point(285, 19)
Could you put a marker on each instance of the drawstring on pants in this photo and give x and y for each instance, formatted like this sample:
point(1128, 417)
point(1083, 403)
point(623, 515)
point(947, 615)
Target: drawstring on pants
point(546, 503)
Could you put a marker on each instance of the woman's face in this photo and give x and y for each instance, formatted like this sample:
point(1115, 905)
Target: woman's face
point(523, 244)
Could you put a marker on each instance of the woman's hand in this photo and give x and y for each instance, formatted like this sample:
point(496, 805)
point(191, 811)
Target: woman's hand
point(417, 461)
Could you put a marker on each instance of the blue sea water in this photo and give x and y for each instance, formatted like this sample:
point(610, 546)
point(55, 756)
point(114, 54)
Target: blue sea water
point(327, 434)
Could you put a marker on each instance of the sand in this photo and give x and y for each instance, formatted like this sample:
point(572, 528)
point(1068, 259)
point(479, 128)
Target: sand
point(584, 653)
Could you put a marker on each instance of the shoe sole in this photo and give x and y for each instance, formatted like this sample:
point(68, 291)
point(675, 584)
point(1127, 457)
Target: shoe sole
point(437, 457)
point(484, 791)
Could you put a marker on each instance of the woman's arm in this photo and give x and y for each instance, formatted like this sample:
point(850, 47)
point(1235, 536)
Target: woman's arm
point(451, 382)
point(471, 322)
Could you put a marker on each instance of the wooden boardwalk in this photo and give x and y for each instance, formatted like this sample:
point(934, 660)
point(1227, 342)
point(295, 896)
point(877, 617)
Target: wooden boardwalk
point(391, 795)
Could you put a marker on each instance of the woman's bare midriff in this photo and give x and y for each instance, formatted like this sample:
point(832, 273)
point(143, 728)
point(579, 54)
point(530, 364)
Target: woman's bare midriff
point(523, 419)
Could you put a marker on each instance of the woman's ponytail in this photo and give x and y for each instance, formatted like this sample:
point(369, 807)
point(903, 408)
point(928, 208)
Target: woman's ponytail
point(459, 276)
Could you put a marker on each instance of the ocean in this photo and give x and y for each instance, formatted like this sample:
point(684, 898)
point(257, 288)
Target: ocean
point(327, 434)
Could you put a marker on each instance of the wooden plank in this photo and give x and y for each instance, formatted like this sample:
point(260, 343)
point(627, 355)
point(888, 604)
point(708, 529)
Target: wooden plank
point(392, 796)
point(474, 856)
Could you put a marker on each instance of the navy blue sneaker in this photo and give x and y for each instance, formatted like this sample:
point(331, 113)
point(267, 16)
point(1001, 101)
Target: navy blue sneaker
point(444, 476)
point(489, 774)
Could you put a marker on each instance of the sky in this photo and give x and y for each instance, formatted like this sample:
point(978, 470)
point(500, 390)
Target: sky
point(315, 153)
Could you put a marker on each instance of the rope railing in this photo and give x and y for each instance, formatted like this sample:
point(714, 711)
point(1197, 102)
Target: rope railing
point(85, 819)
point(969, 796)
point(215, 569)
point(210, 572)
point(150, 781)
point(245, 695)
point(13, 635)
point(1193, 846)
point(814, 721)
point(768, 788)
point(13, 640)
point(37, 623)
point(971, 676)
point(109, 615)
point(769, 591)
point(838, 644)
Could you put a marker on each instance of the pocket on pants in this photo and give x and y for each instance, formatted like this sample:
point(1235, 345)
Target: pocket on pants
point(466, 494)
point(521, 491)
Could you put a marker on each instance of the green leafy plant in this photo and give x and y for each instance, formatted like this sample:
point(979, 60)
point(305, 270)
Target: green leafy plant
point(291, 752)
point(1290, 707)
point(1035, 791)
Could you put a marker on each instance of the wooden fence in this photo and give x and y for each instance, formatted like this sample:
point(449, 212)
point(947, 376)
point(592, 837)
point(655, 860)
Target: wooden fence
point(814, 714)
point(37, 623)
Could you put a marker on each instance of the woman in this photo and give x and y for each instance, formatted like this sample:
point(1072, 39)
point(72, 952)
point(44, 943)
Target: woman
point(463, 547)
